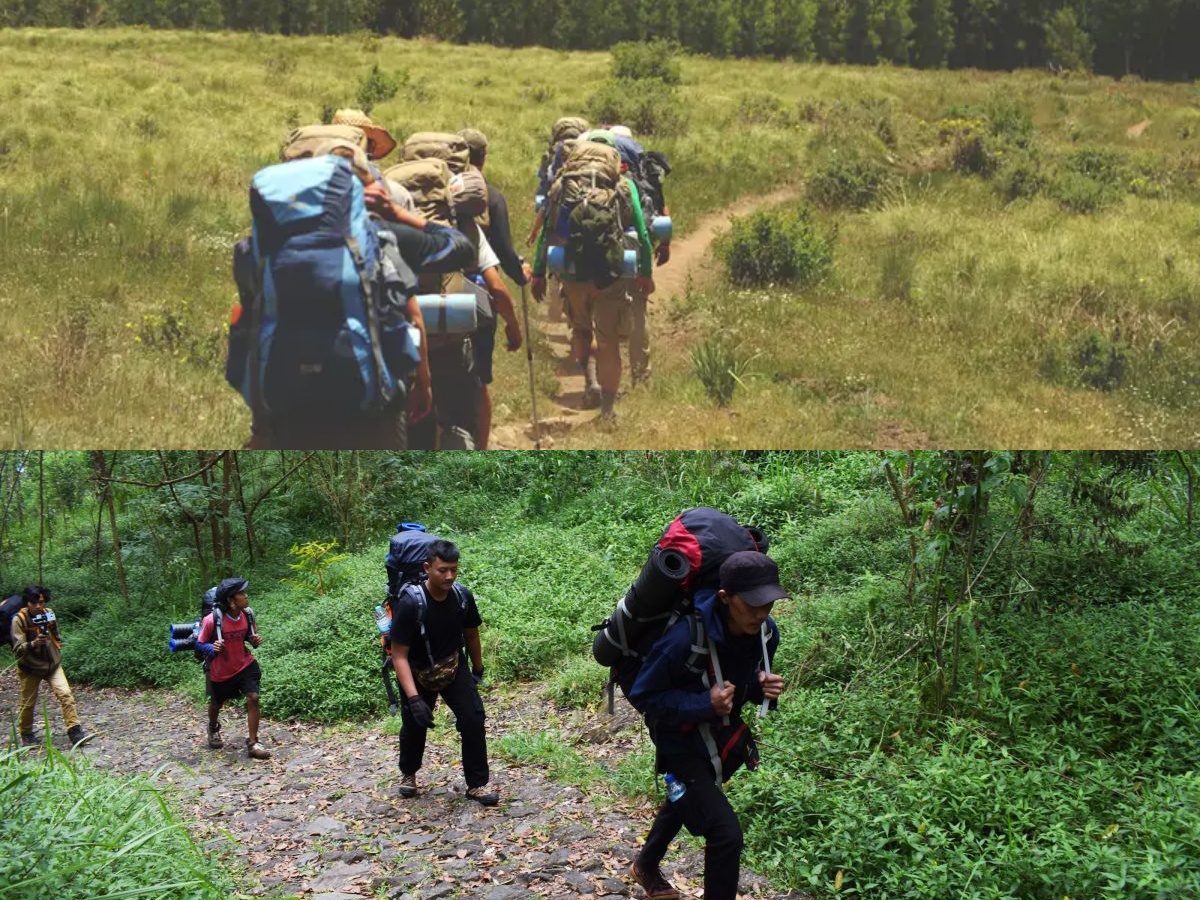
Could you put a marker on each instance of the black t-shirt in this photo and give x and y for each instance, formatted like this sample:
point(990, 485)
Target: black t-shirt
point(445, 622)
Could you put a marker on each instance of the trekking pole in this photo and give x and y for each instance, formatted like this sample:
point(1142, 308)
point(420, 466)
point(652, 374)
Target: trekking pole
point(762, 633)
point(537, 431)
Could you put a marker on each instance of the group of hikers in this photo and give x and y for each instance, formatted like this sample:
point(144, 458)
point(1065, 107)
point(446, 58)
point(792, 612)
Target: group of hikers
point(370, 295)
point(689, 674)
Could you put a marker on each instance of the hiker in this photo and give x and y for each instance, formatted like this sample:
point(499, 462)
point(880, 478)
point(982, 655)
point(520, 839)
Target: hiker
point(585, 210)
point(36, 642)
point(232, 669)
point(435, 628)
point(695, 722)
point(564, 130)
point(483, 341)
point(379, 141)
point(497, 238)
point(654, 204)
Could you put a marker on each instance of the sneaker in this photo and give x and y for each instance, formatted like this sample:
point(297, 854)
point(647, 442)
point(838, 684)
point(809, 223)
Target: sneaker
point(255, 750)
point(78, 736)
point(28, 739)
point(408, 786)
point(483, 795)
point(214, 737)
point(653, 883)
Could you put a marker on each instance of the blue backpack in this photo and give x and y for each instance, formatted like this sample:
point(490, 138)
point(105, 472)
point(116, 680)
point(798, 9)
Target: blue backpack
point(325, 333)
point(408, 551)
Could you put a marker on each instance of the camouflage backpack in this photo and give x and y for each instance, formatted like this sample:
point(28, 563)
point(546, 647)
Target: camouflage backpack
point(587, 206)
point(428, 180)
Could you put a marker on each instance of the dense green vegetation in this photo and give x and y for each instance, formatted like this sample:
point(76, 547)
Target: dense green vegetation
point(1005, 260)
point(1149, 38)
point(990, 655)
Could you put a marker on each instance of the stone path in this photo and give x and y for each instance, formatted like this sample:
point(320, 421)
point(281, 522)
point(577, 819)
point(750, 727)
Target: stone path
point(321, 818)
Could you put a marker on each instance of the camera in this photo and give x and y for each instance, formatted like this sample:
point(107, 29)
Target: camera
point(42, 621)
point(183, 636)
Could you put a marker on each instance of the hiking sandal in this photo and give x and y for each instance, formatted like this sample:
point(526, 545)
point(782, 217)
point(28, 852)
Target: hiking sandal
point(214, 737)
point(255, 750)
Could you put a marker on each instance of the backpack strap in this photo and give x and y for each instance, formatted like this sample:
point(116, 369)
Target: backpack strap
point(384, 392)
point(256, 311)
point(703, 646)
point(418, 593)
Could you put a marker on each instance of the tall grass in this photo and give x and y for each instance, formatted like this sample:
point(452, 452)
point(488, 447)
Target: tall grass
point(73, 832)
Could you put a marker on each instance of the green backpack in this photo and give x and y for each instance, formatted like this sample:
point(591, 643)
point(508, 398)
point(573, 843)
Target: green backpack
point(595, 241)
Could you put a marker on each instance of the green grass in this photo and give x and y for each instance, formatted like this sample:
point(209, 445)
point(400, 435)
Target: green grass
point(123, 177)
point(68, 827)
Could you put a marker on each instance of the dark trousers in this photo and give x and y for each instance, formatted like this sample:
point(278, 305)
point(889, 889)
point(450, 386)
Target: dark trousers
point(705, 811)
point(464, 701)
point(455, 401)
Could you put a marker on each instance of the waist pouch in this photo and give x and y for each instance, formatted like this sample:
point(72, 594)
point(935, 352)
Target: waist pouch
point(440, 675)
point(736, 748)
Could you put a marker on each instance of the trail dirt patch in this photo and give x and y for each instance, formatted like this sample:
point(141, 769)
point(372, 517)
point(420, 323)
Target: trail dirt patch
point(321, 818)
point(691, 258)
point(1136, 131)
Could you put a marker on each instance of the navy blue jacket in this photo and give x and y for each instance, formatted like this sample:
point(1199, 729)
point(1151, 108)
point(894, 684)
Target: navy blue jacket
point(675, 699)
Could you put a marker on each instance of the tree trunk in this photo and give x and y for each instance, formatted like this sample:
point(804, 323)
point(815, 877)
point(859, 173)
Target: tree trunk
point(41, 512)
point(104, 487)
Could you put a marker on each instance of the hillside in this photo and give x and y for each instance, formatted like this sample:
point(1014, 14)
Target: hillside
point(1013, 254)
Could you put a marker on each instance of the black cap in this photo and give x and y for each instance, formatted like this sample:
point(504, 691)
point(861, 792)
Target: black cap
point(229, 587)
point(753, 576)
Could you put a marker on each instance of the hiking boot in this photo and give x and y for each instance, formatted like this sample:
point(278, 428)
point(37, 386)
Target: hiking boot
point(78, 736)
point(214, 737)
point(28, 739)
point(255, 750)
point(653, 883)
point(608, 406)
point(483, 795)
point(591, 396)
point(408, 786)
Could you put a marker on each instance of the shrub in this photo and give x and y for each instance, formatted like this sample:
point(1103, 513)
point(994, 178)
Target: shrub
point(1100, 360)
point(647, 106)
point(379, 87)
point(1022, 177)
point(853, 180)
point(973, 150)
point(777, 246)
point(763, 109)
point(720, 365)
point(1108, 167)
point(646, 60)
point(1082, 194)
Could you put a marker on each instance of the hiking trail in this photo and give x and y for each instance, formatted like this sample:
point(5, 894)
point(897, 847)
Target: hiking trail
point(321, 819)
point(691, 256)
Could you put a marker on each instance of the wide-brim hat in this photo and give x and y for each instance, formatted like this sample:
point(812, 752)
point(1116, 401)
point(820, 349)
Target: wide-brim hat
point(379, 142)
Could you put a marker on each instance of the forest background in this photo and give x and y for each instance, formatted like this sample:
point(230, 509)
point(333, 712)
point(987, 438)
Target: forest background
point(1150, 38)
point(990, 656)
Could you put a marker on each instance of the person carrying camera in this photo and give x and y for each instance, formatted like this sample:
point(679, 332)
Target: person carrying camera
point(432, 623)
point(692, 705)
point(38, 648)
point(232, 669)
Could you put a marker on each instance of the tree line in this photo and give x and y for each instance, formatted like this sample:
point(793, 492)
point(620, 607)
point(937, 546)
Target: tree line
point(1148, 38)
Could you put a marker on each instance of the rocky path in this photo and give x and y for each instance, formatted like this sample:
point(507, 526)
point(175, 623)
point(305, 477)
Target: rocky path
point(321, 819)
point(692, 261)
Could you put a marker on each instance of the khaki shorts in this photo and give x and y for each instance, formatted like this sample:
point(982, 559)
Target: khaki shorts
point(608, 312)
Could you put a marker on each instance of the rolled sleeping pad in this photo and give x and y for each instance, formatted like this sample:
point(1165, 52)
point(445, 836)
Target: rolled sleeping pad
point(660, 227)
point(556, 258)
point(448, 313)
point(649, 601)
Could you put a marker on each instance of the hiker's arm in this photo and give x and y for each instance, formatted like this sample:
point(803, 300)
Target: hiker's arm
point(420, 402)
point(204, 642)
point(403, 671)
point(433, 248)
point(499, 235)
point(538, 219)
point(474, 649)
point(656, 692)
point(764, 686)
point(502, 300)
point(17, 633)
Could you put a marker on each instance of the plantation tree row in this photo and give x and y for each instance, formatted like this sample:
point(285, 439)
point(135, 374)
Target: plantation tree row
point(1149, 38)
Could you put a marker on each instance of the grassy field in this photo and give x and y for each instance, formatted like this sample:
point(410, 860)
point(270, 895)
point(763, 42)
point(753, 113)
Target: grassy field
point(952, 316)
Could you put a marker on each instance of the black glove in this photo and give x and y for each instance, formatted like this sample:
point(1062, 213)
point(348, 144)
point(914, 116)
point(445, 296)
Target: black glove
point(420, 711)
point(477, 674)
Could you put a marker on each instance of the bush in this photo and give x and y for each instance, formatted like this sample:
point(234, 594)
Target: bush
point(379, 87)
point(973, 150)
point(720, 365)
point(1022, 177)
point(1100, 360)
point(763, 109)
point(853, 181)
point(646, 106)
point(1082, 194)
point(646, 60)
point(1107, 167)
point(775, 247)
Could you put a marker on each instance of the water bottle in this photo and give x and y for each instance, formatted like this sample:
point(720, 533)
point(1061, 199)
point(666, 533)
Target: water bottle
point(383, 621)
point(675, 787)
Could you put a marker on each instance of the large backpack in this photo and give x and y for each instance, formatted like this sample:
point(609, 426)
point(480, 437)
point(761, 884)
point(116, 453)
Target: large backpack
point(324, 140)
point(428, 180)
point(584, 213)
point(324, 333)
point(8, 611)
point(452, 148)
point(408, 551)
point(686, 559)
point(647, 169)
point(562, 134)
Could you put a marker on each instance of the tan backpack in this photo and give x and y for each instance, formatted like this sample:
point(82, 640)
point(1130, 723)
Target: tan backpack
point(322, 140)
point(565, 128)
point(468, 193)
point(440, 145)
point(428, 180)
point(589, 171)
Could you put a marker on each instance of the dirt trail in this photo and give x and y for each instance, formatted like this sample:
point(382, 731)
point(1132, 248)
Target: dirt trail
point(321, 818)
point(690, 257)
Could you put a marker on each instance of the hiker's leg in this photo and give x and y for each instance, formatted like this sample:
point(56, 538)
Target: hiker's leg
point(484, 343)
point(457, 401)
point(252, 712)
point(29, 695)
point(612, 319)
point(62, 690)
point(554, 300)
point(463, 699)
point(576, 301)
point(705, 812)
point(639, 338)
point(214, 710)
point(412, 737)
point(666, 825)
